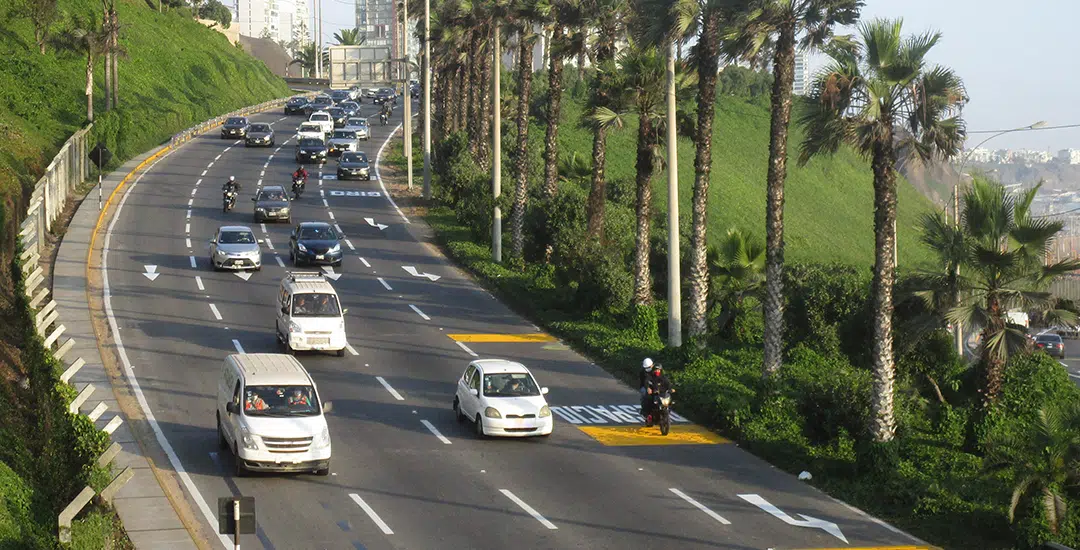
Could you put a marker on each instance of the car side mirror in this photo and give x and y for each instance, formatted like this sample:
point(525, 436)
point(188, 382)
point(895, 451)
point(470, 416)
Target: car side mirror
point(253, 199)
point(474, 391)
point(292, 237)
point(344, 311)
point(327, 407)
point(231, 408)
point(543, 391)
point(285, 309)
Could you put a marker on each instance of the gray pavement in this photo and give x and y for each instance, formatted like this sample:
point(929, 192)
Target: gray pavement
point(595, 483)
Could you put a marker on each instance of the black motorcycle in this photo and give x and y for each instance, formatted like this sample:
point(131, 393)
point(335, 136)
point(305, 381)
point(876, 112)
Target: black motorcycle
point(228, 200)
point(382, 118)
point(297, 187)
point(660, 412)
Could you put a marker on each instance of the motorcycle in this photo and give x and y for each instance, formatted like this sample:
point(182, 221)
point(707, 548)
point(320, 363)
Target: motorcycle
point(228, 199)
point(661, 411)
point(297, 187)
point(382, 118)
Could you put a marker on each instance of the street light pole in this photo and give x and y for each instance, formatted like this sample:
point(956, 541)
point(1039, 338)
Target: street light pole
point(427, 99)
point(674, 289)
point(496, 148)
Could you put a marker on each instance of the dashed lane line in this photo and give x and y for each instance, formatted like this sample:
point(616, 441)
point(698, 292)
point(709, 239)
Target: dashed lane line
point(236, 344)
point(280, 262)
point(420, 313)
point(431, 428)
point(352, 350)
point(193, 264)
point(198, 282)
point(466, 348)
point(217, 314)
point(385, 284)
point(389, 388)
point(371, 514)
point(700, 506)
point(529, 509)
point(349, 244)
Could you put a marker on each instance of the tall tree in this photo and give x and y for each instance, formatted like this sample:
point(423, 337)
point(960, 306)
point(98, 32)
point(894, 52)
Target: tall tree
point(775, 26)
point(879, 95)
point(305, 57)
point(42, 15)
point(607, 16)
point(84, 36)
point(350, 37)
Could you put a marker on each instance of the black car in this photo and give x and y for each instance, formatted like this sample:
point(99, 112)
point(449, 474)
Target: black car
point(384, 95)
point(311, 150)
point(320, 103)
point(234, 127)
point(353, 165)
point(295, 105)
point(272, 203)
point(340, 96)
point(1051, 344)
point(315, 243)
point(351, 108)
point(339, 115)
point(259, 134)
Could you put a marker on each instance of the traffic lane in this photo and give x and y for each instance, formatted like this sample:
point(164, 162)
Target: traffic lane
point(1071, 362)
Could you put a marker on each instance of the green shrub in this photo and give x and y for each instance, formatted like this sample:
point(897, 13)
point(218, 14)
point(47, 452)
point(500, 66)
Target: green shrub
point(832, 396)
point(714, 390)
point(827, 309)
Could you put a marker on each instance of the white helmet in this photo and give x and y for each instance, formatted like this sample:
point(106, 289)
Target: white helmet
point(647, 364)
point(232, 178)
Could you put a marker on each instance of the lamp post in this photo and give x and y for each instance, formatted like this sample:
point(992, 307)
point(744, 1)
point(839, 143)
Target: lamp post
point(427, 99)
point(957, 328)
point(674, 289)
point(496, 146)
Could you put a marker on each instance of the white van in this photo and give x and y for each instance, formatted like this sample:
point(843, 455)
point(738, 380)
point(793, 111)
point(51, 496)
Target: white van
point(270, 416)
point(309, 314)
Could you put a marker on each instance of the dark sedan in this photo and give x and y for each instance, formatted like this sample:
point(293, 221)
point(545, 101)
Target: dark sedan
point(260, 134)
point(1051, 344)
point(272, 203)
point(351, 108)
point(295, 105)
point(340, 95)
point(311, 150)
point(339, 115)
point(315, 243)
point(320, 103)
point(386, 95)
point(234, 127)
point(353, 166)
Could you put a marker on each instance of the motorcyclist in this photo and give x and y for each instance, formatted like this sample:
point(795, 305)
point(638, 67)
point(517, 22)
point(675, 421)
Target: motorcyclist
point(655, 381)
point(643, 383)
point(300, 173)
point(231, 185)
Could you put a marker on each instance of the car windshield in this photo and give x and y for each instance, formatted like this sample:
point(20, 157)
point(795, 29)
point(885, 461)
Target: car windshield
point(317, 233)
point(354, 157)
point(336, 112)
point(316, 305)
point(260, 128)
point(322, 99)
point(280, 401)
point(235, 120)
point(274, 195)
point(236, 237)
point(298, 100)
point(343, 134)
point(513, 384)
point(320, 117)
point(310, 142)
point(310, 128)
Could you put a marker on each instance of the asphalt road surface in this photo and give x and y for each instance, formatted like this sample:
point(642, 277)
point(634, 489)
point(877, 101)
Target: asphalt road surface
point(405, 474)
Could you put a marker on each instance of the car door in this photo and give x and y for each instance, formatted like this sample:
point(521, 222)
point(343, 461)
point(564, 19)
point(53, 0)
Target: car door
point(474, 400)
point(230, 426)
point(463, 388)
point(292, 240)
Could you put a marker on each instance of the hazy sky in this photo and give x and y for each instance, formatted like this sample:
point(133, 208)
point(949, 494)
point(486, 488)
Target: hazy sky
point(1018, 60)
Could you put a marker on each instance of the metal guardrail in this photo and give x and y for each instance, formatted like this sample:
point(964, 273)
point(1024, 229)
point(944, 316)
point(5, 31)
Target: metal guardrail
point(308, 81)
point(1055, 546)
point(188, 134)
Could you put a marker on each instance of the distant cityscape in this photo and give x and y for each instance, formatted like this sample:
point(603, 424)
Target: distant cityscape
point(1021, 156)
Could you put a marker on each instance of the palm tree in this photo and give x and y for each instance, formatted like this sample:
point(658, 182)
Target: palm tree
point(1001, 254)
point(879, 96)
point(774, 26)
point(1042, 461)
point(350, 37)
point(305, 57)
point(739, 270)
point(82, 37)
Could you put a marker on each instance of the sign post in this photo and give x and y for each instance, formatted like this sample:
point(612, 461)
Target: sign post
point(236, 516)
point(100, 156)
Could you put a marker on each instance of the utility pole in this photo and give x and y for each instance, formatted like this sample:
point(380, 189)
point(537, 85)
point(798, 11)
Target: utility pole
point(427, 99)
point(318, 38)
point(407, 132)
point(674, 290)
point(496, 149)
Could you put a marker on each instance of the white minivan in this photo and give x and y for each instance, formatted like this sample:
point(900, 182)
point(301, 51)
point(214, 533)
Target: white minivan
point(309, 314)
point(270, 416)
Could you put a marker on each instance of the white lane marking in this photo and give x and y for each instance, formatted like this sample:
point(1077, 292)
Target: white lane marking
point(217, 157)
point(187, 228)
point(351, 349)
point(420, 313)
point(258, 183)
point(197, 182)
point(349, 244)
point(331, 214)
point(392, 391)
point(263, 227)
point(193, 264)
point(532, 512)
point(378, 176)
point(262, 173)
point(239, 348)
point(385, 284)
point(203, 173)
point(187, 241)
point(193, 192)
point(269, 244)
point(189, 201)
point(700, 506)
point(217, 314)
point(466, 348)
point(338, 227)
point(189, 214)
point(279, 261)
point(371, 514)
point(129, 372)
point(229, 147)
point(326, 204)
point(363, 261)
point(431, 428)
point(1074, 376)
point(208, 166)
point(322, 193)
point(198, 281)
point(807, 521)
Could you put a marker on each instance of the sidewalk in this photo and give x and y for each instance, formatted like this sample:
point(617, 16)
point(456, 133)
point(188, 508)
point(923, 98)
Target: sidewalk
point(148, 515)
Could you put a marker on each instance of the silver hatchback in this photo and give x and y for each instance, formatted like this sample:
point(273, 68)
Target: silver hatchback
point(235, 247)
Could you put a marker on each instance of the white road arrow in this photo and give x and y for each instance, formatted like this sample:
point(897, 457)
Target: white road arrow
point(807, 521)
point(371, 222)
point(151, 272)
point(412, 271)
point(329, 270)
point(245, 275)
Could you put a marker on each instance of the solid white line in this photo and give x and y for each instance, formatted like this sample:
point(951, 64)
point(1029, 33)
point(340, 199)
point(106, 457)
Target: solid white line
point(331, 214)
point(349, 244)
point(351, 349)
point(385, 284)
point(239, 348)
point(280, 262)
point(193, 264)
point(420, 313)
point(466, 348)
point(263, 227)
point(198, 281)
point(532, 512)
point(700, 506)
point(217, 314)
point(363, 261)
point(1074, 376)
point(174, 459)
point(371, 514)
point(392, 391)
point(187, 241)
point(378, 176)
point(432, 429)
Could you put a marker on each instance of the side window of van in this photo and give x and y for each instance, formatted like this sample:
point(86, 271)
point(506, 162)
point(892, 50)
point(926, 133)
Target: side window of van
point(236, 393)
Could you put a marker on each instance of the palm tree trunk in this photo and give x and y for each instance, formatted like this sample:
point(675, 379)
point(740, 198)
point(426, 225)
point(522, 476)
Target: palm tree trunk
point(483, 146)
point(642, 277)
point(598, 191)
point(883, 423)
point(551, 138)
point(472, 118)
point(464, 90)
point(521, 160)
point(708, 65)
point(108, 77)
point(783, 79)
point(114, 42)
point(89, 84)
point(993, 365)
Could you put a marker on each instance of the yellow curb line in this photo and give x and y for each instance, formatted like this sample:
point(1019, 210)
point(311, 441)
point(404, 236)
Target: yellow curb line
point(538, 337)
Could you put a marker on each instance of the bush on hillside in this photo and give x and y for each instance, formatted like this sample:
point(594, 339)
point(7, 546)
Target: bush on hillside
point(827, 309)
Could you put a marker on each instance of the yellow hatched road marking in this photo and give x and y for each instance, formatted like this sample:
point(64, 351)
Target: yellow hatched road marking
point(909, 547)
point(617, 436)
point(538, 337)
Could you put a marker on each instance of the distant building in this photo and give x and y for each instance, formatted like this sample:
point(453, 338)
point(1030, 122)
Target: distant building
point(1069, 156)
point(377, 21)
point(282, 21)
point(802, 73)
point(981, 155)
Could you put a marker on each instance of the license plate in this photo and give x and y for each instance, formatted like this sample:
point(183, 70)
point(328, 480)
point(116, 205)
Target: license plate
point(320, 256)
point(238, 262)
point(318, 341)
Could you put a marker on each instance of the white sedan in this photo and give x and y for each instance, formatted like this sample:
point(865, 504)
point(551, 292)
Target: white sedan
point(502, 398)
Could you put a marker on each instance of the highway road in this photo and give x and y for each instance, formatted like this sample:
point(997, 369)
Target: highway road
point(405, 474)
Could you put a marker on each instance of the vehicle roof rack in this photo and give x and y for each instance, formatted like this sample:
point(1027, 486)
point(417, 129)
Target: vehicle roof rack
point(305, 276)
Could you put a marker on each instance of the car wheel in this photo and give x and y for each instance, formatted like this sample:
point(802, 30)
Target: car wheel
point(341, 352)
point(214, 265)
point(221, 434)
point(479, 425)
point(457, 411)
point(323, 472)
point(258, 267)
point(238, 465)
point(289, 349)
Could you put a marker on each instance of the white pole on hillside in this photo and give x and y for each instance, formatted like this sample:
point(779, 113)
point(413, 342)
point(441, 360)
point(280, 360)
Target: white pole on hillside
point(496, 148)
point(407, 132)
point(427, 99)
point(674, 290)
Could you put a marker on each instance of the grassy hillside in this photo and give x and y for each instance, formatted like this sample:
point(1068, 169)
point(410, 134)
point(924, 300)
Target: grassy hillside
point(829, 208)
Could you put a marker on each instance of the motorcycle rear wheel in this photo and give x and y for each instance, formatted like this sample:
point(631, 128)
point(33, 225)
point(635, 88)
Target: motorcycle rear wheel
point(665, 424)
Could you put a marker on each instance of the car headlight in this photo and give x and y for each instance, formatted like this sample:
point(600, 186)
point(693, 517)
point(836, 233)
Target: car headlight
point(545, 412)
point(322, 153)
point(251, 442)
point(322, 441)
point(254, 253)
point(335, 249)
point(260, 209)
point(301, 247)
point(665, 401)
point(294, 328)
point(492, 412)
point(285, 210)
